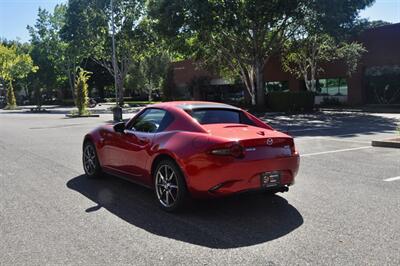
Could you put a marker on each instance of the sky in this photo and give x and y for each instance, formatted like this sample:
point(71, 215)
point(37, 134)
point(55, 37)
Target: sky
point(15, 15)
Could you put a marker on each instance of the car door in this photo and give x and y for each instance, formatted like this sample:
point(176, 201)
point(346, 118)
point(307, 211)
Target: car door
point(133, 148)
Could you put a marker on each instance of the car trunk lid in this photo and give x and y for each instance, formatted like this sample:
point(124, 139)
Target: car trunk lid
point(254, 139)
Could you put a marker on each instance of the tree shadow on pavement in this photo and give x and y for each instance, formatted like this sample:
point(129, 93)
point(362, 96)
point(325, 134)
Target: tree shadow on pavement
point(345, 124)
point(238, 221)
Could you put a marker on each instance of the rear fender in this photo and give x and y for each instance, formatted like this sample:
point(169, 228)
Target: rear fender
point(181, 147)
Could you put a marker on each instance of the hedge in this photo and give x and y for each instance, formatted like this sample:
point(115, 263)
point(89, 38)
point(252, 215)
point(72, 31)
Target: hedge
point(291, 101)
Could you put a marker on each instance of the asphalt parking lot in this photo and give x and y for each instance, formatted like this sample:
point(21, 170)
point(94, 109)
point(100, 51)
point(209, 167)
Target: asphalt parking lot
point(343, 209)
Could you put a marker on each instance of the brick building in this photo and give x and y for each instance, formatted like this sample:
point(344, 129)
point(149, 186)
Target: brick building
point(377, 76)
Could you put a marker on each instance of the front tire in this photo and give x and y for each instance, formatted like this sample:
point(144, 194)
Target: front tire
point(169, 186)
point(90, 160)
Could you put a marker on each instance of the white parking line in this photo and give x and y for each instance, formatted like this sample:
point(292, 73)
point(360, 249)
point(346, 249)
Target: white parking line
point(333, 139)
point(312, 129)
point(335, 151)
point(392, 179)
point(346, 140)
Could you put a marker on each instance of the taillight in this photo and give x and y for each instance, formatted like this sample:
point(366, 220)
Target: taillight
point(293, 149)
point(235, 150)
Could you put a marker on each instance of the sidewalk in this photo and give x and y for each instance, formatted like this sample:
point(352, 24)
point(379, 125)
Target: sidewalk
point(394, 109)
point(102, 108)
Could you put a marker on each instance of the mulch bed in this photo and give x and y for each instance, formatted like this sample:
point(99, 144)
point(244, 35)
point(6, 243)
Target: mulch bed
point(78, 116)
point(39, 110)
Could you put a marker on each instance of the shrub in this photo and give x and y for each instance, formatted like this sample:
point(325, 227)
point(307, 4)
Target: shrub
point(11, 101)
point(81, 91)
point(289, 101)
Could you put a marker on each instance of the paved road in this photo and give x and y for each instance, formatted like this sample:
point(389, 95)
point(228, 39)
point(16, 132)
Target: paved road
point(339, 212)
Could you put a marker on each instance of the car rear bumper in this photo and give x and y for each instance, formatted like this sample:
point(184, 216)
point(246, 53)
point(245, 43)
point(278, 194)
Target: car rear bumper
point(220, 178)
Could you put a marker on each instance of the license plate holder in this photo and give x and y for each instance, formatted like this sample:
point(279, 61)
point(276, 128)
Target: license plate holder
point(270, 179)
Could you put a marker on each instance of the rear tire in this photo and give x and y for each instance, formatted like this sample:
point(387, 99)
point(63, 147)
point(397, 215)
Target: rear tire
point(90, 160)
point(169, 186)
point(271, 192)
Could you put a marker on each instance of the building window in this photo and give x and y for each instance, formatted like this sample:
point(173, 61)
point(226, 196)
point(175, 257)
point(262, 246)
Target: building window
point(277, 86)
point(332, 87)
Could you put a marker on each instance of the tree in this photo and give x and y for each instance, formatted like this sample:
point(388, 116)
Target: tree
point(303, 57)
point(153, 60)
point(319, 39)
point(14, 65)
point(135, 81)
point(88, 27)
point(168, 84)
point(241, 36)
point(25, 83)
point(81, 22)
point(99, 80)
point(50, 52)
point(154, 69)
point(351, 54)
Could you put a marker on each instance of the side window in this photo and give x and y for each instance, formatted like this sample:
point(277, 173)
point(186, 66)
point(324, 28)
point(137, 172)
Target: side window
point(152, 120)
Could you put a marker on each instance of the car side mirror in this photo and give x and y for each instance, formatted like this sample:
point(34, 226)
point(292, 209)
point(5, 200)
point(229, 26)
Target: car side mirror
point(119, 127)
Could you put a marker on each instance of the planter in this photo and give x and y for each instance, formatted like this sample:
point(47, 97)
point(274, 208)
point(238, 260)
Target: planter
point(117, 114)
point(39, 110)
point(387, 143)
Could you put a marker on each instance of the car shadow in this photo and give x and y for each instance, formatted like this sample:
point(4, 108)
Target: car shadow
point(233, 222)
point(345, 125)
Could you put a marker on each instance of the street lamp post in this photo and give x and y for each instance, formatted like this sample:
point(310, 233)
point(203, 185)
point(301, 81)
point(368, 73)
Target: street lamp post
point(117, 110)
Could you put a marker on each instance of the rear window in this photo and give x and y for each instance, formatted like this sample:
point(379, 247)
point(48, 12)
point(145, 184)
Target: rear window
point(219, 116)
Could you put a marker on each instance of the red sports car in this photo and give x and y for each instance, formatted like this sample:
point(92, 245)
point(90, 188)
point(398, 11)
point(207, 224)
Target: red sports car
point(191, 148)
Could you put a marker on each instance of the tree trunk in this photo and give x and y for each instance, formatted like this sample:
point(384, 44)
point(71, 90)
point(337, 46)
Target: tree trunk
point(71, 82)
point(27, 92)
point(313, 80)
point(306, 81)
point(259, 85)
point(253, 100)
point(100, 91)
point(150, 98)
point(120, 92)
point(150, 89)
point(38, 97)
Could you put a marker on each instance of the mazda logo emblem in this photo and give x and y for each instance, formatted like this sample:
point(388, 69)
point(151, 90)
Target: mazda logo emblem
point(270, 142)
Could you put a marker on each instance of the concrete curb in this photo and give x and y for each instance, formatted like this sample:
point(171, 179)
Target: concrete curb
point(388, 143)
point(79, 116)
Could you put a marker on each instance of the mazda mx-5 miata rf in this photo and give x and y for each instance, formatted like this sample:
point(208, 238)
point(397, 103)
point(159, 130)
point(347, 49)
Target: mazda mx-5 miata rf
point(196, 149)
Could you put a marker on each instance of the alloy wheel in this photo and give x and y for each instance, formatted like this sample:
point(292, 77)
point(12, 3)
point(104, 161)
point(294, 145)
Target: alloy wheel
point(166, 186)
point(89, 159)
